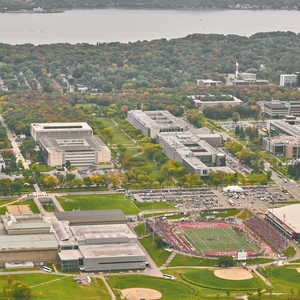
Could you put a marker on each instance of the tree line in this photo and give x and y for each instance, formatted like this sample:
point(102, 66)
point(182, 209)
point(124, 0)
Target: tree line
point(162, 63)
point(53, 5)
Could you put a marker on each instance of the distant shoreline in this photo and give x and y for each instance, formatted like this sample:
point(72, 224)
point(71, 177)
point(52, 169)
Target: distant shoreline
point(54, 11)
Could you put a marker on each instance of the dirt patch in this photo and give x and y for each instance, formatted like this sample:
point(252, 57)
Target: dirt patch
point(233, 274)
point(140, 293)
point(19, 209)
point(298, 270)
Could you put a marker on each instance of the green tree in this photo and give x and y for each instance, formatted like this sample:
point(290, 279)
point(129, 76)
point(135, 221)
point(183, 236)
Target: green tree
point(20, 291)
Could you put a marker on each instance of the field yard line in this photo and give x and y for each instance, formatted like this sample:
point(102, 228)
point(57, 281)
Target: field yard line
point(187, 239)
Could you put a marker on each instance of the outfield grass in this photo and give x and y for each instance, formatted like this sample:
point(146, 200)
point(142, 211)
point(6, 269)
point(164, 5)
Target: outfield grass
point(169, 289)
point(216, 239)
point(206, 278)
point(49, 286)
point(157, 253)
point(98, 202)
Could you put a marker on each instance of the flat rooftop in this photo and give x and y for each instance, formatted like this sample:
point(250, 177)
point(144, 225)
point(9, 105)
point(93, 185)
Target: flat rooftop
point(72, 144)
point(285, 139)
point(94, 232)
point(92, 216)
point(288, 215)
point(106, 251)
point(60, 126)
point(28, 241)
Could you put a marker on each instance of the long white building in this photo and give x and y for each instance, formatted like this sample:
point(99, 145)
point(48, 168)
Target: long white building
point(153, 122)
point(60, 130)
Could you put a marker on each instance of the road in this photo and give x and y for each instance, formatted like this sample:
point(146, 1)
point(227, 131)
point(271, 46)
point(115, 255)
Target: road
point(15, 146)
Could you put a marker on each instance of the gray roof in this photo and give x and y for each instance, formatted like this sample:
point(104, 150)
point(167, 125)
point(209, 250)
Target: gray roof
point(111, 251)
point(87, 144)
point(92, 216)
point(26, 242)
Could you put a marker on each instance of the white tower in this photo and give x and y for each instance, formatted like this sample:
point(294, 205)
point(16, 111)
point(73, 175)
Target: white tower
point(236, 69)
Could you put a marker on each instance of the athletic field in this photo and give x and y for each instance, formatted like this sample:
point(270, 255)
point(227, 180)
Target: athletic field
point(215, 239)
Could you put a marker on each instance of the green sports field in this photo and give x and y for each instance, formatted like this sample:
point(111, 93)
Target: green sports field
point(219, 241)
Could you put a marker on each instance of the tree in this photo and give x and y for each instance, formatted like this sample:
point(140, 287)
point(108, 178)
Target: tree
point(225, 261)
point(68, 164)
point(20, 291)
point(51, 181)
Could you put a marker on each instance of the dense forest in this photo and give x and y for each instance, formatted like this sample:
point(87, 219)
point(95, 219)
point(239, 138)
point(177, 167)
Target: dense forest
point(13, 5)
point(162, 63)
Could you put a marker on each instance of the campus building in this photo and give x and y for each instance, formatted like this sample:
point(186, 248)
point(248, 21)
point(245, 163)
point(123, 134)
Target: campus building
point(287, 146)
point(78, 151)
point(154, 122)
point(201, 101)
point(26, 238)
point(77, 240)
point(208, 82)
point(281, 127)
point(97, 241)
point(194, 151)
point(277, 108)
point(289, 79)
point(60, 130)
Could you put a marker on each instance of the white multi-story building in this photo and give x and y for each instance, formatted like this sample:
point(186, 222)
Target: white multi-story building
point(78, 151)
point(153, 122)
point(289, 79)
point(60, 130)
point(201, 101)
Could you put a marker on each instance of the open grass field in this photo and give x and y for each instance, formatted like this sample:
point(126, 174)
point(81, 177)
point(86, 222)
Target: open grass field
point(206, 240)
point(48, 286)
point(283, 279)
point(96, 202)
point(170, 289)
point(155, 250)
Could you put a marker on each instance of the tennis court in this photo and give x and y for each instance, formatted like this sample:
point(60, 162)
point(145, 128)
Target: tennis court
point(215, 239)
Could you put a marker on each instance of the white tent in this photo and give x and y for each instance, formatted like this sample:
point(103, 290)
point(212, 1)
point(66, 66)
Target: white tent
point(233, 189)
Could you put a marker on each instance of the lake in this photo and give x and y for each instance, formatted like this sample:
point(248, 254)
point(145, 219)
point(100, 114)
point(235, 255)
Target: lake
point(121, 25)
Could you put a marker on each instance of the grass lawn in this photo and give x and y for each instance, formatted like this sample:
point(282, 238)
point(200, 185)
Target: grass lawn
point(31, 204)
point(185, 260)
point(119, 137)
point(154, 205)
point(158, 254)
point(224, 213)
point(206, 278)
point(48, 286)
point(169, 289)
point(3, 204)
point(141, 229)
point(283, 279)
point(98, 202)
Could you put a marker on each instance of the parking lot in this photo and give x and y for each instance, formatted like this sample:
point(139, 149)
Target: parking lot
point(257, 198)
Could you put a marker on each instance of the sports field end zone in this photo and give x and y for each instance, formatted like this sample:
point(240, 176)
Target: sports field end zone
point(50, 286)
point(98, 202)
